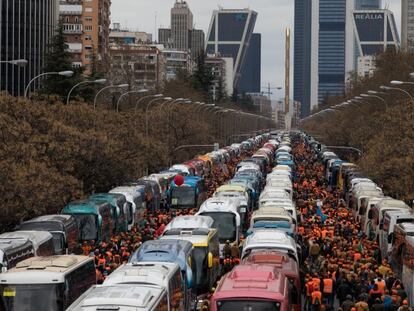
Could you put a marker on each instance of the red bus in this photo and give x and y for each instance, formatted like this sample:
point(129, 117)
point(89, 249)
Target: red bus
point(252, 287)
point(286, 266)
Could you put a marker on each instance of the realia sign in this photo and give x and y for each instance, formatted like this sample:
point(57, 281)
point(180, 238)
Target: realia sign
point(369, 16)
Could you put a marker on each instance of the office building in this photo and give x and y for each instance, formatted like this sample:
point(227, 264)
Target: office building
point(25, 30)
point(229, 34)
point(250, 81)
point(86, 29)
point(222, 71)
point(306, 38)
point(176, 61)
point(181, 25)
point(367, 4)
point(407, 24)
point(120, 36)
point(336, 60)
point(375, 32)
point(181, 35)
point(197, 43)
point(142, 66)
point(164, 37)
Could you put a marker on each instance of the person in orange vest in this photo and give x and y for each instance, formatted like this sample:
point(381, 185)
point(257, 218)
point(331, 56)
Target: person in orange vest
point(328, 284)
point(316, 300)
point(308, 293)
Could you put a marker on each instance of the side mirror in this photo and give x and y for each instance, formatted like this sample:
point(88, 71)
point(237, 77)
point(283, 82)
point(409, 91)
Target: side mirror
point(210, 260)
point(3, 269)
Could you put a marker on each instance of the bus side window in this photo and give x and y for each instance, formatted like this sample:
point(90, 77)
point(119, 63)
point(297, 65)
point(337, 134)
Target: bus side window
point(79, 280)
point(163, 304)
point(176, 291)
point(293, 292)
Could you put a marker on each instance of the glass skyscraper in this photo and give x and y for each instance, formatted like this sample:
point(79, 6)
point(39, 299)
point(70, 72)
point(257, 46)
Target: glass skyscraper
point(26, 27)
point(367, 4)
point(302, 55)
point(229, 35)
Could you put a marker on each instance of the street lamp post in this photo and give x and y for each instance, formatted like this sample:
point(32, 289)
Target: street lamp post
point(15, 62)
point(99, 81)
point(65, 73)
point(127, 93)
point(105, 88)
point(147, 109)
point(388, 88)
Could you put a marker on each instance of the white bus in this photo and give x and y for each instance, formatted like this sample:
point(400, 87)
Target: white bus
point(165, 274)
point(46, 283)
point(123, 297)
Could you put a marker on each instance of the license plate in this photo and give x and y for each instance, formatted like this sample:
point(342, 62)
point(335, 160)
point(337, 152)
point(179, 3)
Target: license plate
point(174, 201)
point(243, 210)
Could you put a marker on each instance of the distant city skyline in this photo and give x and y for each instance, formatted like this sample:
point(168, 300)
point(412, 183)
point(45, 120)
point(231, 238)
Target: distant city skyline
point(273, 17)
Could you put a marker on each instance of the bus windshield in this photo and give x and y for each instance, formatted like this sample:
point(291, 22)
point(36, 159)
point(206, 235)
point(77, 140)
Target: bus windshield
point(199, 265)
point(31, 297)
point(225, 224)
point(256, 305)
point(59, 242)
point(88, 226)
point(183, 196)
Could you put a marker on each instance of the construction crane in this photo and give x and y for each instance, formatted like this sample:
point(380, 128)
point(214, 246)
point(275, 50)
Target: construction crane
point(267, 90)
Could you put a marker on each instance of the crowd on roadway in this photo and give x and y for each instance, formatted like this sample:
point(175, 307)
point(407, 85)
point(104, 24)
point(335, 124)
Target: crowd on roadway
point(276, 222)
point(343, 269)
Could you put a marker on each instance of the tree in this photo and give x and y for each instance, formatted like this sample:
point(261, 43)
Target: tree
point(202, 77)
point(58, 59)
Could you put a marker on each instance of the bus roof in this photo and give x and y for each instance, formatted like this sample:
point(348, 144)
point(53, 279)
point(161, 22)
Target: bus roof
point(196, 240)
point(56, 222)
point(219, 204)
point(153, 273)
point(43, 270)
point(227, 188)
point(190, 222)
point(36, 237)
point(252, 281)
point(276, 259)
point(119, 297)
point(83, 207)
point(163, 251)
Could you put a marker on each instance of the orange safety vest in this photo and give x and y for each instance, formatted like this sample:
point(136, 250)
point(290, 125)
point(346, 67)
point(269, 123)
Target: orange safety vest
point(309, 288)
point(101, 261)
point(316, 295)
point(328, 286)
point(316, 284)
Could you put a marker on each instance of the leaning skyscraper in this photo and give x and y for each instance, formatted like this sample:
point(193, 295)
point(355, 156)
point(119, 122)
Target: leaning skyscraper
point(229, 35)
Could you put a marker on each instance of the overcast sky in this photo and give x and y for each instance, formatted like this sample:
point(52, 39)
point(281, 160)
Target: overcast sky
point(273, 17)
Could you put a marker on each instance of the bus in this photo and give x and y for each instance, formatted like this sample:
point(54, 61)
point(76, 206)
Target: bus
point(270, 239)
point(123, 297)
point(42, 241)
point(252, 287)
point(14, 251)
point(225, 213)
point(191, 194)
point(167, 275)
point(401, 231)
point(407, 276)
point(173, 251)
point(93, 218)
point(63, 228)
point(205, 257)
point(287, 266)
point(46, 283)
point(118, 205)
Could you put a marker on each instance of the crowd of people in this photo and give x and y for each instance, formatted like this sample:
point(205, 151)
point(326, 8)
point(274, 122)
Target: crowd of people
point(342, 270)
point(111, 254)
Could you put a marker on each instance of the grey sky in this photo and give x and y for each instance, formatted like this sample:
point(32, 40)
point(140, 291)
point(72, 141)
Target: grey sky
point(273, 17)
